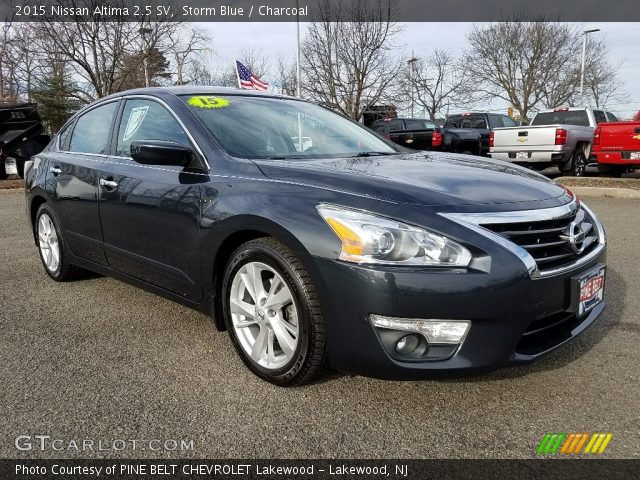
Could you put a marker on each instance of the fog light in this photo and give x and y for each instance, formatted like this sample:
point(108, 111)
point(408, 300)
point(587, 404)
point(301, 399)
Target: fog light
point(407, 344)
point(451, 332)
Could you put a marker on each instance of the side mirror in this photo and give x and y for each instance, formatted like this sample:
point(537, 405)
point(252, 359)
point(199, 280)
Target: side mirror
point(159, 152)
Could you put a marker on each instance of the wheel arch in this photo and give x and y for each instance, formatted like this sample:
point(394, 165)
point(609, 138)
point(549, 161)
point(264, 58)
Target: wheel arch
point(37, 201)
point(245, 229)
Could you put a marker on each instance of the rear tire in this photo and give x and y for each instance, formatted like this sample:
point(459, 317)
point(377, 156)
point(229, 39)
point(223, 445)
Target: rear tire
point(272, 313)
point(577, 165)
point(51, 246)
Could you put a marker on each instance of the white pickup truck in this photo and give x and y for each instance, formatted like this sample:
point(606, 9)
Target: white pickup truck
point(561, 136)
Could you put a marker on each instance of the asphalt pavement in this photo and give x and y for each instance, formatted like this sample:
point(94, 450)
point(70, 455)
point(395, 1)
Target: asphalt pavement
point(97, 359)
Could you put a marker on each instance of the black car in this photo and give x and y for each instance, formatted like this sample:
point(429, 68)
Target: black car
point(480, 123)
point(314, 241)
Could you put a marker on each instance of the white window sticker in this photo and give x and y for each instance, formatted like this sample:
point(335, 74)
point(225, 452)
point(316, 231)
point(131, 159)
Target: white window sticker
point(135, 120)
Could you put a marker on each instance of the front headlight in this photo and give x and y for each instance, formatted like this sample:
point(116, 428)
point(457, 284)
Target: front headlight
point(368, 238)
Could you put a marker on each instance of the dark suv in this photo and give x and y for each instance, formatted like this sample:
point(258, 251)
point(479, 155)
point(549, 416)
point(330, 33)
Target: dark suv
point(312, 240)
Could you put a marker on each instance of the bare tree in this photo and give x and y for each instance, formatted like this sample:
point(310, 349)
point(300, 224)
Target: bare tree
point(349, 66)
point(530, 64)
point(438, 82)
point(601, 83)
point(98, 50)
point(183, 48)
point(286, 77)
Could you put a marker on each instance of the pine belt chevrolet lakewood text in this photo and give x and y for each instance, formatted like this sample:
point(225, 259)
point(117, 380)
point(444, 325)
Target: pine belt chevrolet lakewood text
point(314, 241)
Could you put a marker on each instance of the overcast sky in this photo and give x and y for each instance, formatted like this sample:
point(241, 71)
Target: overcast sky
point(280, 39)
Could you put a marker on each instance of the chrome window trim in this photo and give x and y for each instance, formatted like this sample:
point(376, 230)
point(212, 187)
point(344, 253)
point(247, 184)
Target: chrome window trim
point(134, 97)
point(474, 221)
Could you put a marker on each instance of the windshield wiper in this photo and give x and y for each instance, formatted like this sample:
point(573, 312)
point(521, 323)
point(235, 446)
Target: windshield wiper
point(371, 154)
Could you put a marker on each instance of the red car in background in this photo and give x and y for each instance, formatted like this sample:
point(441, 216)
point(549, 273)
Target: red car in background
point(616, 146)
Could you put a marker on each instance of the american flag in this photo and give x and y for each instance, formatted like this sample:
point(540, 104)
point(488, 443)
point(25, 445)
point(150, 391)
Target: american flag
point(249, 80)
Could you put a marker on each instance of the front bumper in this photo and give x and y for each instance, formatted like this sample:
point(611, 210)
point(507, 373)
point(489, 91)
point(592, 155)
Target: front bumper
point(502, 307)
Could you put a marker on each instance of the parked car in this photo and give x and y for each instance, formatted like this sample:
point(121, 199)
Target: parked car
point(421, 134)
point(21, 136)
point(616, 147)
point(351, 253)
point(560, 136)
point(481, 123)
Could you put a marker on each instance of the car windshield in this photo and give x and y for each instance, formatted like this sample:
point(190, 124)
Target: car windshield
point(280, 128)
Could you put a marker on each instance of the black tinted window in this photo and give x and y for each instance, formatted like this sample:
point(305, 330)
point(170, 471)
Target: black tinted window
point(419, 124)
point(147, 120)
point(396, 125)
point(466, 121)
point(612, 117)
point(92, 129)
point(599, 116)
point(575, 117)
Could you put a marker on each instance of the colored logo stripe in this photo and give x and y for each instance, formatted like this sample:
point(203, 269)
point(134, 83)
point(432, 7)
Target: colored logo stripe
point(573, 443)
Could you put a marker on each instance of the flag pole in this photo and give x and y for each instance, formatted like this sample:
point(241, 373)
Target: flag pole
point(298, 48)
point(238, 75)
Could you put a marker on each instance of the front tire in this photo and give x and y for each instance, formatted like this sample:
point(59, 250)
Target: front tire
point(51, 246)
point(272, 313)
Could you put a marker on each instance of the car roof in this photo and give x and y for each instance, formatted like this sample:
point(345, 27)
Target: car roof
point(199, 90)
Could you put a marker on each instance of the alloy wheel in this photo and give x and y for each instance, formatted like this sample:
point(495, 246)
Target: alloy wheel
point(48, 243)
point(581, 165)
point(264, 315)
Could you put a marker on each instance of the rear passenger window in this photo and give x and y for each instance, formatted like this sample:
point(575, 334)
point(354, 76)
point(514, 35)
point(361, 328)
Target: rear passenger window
point(91, 132)
point(396, 125)
point(147, 120)
point(509, 122)
point(599, 116)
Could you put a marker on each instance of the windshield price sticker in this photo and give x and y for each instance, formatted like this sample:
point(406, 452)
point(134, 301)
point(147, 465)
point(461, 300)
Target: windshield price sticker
point(203, 101)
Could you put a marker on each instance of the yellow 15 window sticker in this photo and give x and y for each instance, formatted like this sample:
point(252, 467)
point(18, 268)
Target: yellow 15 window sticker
point(204, 101)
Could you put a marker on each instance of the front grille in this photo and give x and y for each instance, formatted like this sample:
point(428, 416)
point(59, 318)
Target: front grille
point(552, 243)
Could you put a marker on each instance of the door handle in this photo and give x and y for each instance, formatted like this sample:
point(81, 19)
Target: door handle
point(55, 171)
point(108, 185)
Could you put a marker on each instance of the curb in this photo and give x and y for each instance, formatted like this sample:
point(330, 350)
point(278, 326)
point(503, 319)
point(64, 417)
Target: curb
point(609, 192)
point(11, 190)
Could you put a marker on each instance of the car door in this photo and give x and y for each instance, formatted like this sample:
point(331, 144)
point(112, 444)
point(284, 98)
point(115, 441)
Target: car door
point(150, 214)
point(72, 180)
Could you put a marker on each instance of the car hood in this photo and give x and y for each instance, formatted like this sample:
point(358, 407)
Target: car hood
point(426, 178)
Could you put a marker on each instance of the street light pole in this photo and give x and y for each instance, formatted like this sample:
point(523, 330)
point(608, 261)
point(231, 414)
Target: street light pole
point(584, 58)
point(411, 63)
point(145, 60)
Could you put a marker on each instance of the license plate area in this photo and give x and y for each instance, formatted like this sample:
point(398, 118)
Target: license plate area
point(587, 290)
point(635, 156)
point(10, 166)
point(522, 154)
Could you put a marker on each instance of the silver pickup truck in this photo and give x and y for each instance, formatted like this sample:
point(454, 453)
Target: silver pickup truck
point(560, 136)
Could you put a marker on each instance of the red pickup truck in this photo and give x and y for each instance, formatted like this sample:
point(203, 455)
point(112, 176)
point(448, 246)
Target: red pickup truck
point(616, 146)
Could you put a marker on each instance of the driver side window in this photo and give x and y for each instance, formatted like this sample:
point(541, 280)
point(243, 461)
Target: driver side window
point(147, 120)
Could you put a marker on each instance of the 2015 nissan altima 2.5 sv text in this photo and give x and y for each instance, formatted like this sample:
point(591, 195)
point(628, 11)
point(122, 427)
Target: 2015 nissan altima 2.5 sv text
point(313, 241)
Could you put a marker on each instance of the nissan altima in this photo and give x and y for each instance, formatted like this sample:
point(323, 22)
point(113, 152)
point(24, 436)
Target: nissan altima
point(312, 240)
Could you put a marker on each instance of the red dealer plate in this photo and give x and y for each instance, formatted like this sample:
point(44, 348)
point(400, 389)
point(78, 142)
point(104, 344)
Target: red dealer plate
point(591, 289)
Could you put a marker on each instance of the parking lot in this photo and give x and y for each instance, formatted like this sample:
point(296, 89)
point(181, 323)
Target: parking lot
point(99, 359)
